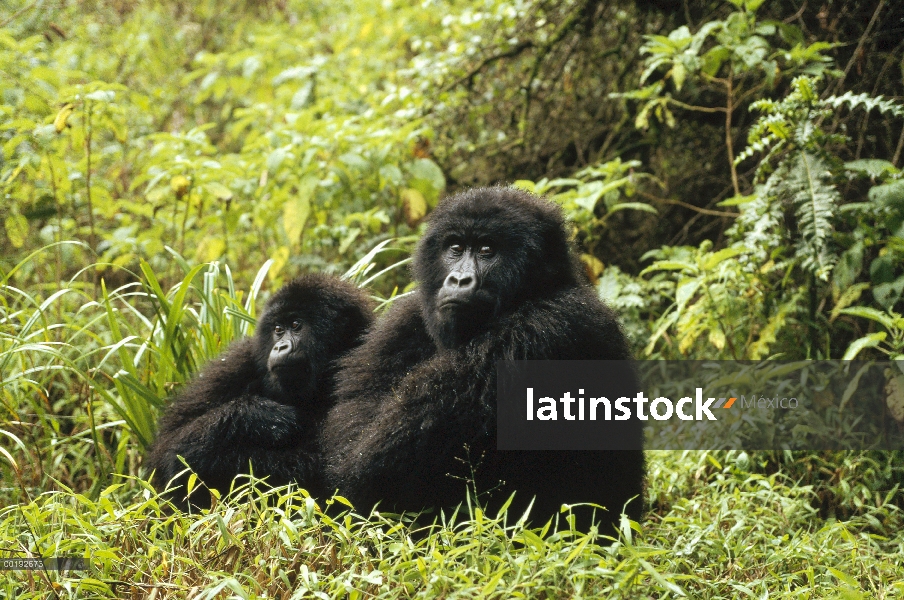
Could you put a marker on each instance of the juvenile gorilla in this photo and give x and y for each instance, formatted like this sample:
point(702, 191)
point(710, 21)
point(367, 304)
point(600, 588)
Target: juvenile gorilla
point(263, 400)
point(415, 412)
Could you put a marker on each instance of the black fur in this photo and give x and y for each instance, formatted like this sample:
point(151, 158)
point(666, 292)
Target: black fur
point(416, 402)
point(243, 407)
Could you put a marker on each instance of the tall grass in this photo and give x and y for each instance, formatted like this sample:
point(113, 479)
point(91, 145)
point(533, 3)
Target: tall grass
point(86, 369)
point(721, 532)
point(83, 370)
point(83, 373)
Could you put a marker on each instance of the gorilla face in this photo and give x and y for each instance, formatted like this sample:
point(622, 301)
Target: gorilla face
point(291, 339)
point(467, 298)
point(286, 350)
point(302, 323)
point(483, 254)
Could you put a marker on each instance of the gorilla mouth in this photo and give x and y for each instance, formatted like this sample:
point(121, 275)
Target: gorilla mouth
point(479, 301)
point(473, 306)
point(455, 303)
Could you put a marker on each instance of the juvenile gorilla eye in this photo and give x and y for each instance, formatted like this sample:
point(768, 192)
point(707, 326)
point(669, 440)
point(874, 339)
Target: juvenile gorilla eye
point(456, 248)
point(296, 324)
point(278, 329)
point(486, 250)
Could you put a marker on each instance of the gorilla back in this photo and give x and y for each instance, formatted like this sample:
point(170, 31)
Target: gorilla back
point(415, 416)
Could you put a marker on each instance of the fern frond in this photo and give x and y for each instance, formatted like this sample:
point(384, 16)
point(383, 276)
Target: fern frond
point(809, 189)
point(765, 105)
point(866, 102)
point(765, 165)
point(757, 146)
point(760, 222)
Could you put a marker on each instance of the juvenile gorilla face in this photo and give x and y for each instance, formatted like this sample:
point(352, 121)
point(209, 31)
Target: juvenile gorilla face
point(301, 324)
point(291, 338)
point(287, 348)
point(483, 254)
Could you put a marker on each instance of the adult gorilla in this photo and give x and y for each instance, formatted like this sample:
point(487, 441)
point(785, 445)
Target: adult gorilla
point(415, 415)
point(263, 401)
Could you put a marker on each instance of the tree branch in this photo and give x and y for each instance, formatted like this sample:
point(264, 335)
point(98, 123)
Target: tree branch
point(863, 38)
point(545, 49)
point(702, 211)
point(513, 51)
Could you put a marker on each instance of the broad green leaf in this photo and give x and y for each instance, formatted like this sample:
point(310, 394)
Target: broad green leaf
point(390, 174)
point(717, 338)
point(295, 213)
point(642, 206)
point(868, 341)
point(276, 159)
point(669, 265)
point(16, 229)
point(873, 167)
point(210, 249)
point(102, 96)
point(737, 200)
point(712, 260)
point(414, 206)
point(753, 5)
point(685, 291)
point(889, 193)
point(279, 259)
point(888, 294)
point(679, 74)
point(870, 313)
point(844, 578)
point(424, 168)
point(850, 295)
point(525, 184)
point(219, 191)
point(353, 234)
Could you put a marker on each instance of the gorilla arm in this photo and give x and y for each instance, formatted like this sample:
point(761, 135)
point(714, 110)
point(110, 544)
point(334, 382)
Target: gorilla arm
point(221, 421)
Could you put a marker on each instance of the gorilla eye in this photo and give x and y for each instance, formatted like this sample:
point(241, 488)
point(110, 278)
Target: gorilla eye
point(278, 329)
point(296, 324)
point(457, 248)
point(486, 250)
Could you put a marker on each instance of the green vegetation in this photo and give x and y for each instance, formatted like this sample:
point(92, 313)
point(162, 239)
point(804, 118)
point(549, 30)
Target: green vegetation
point(732, 172)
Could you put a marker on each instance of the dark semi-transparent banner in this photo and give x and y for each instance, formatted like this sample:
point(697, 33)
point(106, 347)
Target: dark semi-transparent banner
point(700, 405)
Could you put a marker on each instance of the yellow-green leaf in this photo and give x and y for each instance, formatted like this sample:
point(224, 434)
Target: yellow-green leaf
point(414, 206)
point(679, 74)
point(210, 249)
point(219, 191)
point(16, 230)
point(717, 338)
point(592, 266)
point(280, 258)
point(295, 213)
point(179, 184)
point(60, 122)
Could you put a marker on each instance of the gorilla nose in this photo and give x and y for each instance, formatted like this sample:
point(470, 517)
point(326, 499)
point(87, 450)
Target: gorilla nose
point(280, 348)
point(460, 282)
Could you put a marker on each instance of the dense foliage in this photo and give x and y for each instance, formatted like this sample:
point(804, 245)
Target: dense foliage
point(732, 172)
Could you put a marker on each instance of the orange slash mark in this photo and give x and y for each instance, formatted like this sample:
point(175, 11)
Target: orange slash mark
point(729, 403)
